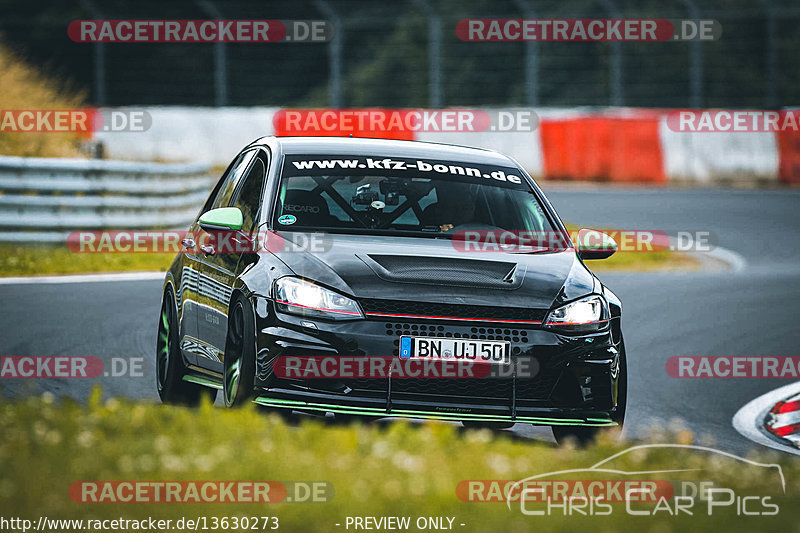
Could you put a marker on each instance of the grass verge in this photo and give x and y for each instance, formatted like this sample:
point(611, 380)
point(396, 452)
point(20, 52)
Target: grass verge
point(639, 261)
point(33, 260)
point(645, 262)
point(395, 469)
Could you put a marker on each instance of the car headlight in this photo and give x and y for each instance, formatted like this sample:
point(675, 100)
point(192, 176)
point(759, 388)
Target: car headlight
point(581, 316)
point(300, 297)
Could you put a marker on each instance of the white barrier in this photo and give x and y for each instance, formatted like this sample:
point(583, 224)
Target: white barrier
point(215, 136)
point(212, 135)
point(709, 158)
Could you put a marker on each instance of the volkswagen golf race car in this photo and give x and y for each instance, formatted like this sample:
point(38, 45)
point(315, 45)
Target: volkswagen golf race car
point(377, 278)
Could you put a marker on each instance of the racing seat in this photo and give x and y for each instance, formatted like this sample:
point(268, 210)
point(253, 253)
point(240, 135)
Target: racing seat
point(309, 207)
point(436, 214)
point(430, 215)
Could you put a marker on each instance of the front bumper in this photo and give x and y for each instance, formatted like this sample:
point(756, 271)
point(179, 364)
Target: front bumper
point(576, 382)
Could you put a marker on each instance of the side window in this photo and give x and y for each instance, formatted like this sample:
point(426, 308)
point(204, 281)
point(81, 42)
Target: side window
point(227, 184)
point(225, 193)
point(248, 197)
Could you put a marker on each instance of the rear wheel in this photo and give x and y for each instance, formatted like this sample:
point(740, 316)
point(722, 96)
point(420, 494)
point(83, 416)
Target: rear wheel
point(239, 365)
point(585, 434)
point(169, 363)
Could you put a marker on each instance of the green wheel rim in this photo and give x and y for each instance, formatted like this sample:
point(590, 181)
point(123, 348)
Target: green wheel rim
point(233, 368)
point(164, 341)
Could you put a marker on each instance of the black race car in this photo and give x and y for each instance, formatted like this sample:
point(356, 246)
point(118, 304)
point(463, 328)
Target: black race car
point(376, 278)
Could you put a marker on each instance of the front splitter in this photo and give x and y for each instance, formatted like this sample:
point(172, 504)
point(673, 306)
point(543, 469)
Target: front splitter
point(408, 413)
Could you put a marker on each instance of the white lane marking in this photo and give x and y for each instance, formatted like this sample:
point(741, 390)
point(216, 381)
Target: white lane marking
point(749, 420)
point(83, 278)
point(734, 260)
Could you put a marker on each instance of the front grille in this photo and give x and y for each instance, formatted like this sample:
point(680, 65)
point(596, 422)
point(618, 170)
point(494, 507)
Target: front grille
point(368, 384)
point(493, 389)
point(475, 312)
point(539, 387)
point(463, 389)
point(514, 336)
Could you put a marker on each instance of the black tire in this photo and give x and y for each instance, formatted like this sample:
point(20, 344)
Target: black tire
point(239, 364)
point(169, 362)
point(584, 435)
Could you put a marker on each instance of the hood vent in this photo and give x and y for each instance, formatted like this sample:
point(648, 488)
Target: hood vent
point(448, 271)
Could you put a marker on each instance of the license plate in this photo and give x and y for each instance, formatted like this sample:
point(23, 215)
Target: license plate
point(450, 349)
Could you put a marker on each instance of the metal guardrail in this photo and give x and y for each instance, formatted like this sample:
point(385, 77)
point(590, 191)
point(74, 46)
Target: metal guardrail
point(43, 200)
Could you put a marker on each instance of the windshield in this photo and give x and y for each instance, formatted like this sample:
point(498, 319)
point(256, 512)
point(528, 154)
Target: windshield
point(358, 194)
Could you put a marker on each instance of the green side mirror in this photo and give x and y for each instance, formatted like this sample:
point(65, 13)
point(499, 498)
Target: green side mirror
point(594, 244)
point(222, 219)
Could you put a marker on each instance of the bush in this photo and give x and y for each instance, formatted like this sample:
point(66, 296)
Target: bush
point(393, 469)
point(24, 87)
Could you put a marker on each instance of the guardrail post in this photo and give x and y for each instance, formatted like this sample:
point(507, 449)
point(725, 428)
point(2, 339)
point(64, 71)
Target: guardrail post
point(771, 55)
point(335, 52)
point(220, 58)
point(531, 59)
point(99, 63)
point(695, 60)
point(435, 94)
point(615, 68)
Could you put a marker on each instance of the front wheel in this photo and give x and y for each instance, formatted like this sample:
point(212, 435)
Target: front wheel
point(169, 363)
point(586, 434)
point(239, 364)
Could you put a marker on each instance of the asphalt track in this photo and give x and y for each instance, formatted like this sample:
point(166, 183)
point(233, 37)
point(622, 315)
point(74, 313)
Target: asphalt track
point(753, 311)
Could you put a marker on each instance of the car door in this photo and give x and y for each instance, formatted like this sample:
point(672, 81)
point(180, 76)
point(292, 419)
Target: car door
point(188, 296)
point(195, 291)
point(219, 260)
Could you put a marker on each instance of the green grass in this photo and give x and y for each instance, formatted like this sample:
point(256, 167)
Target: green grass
point(31, 260)
point(397, 469)
point(645, 262)
point(641, 261)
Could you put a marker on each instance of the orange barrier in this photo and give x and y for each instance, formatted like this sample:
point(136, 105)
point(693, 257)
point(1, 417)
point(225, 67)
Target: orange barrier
point(603, 148)
point(372, 123)
point(789, 149)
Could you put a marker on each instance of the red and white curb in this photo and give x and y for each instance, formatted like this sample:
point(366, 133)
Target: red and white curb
point(772, 419)
point(783, 420)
